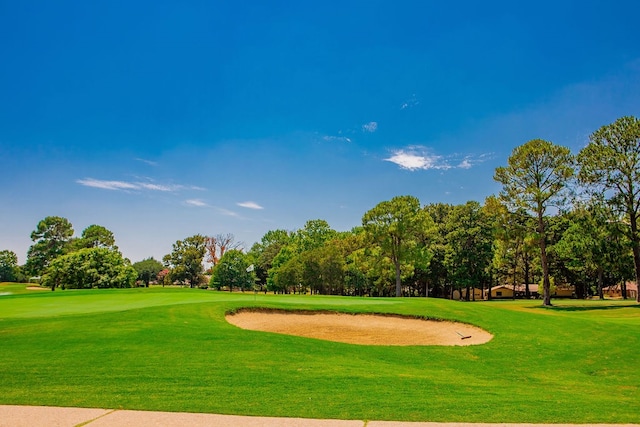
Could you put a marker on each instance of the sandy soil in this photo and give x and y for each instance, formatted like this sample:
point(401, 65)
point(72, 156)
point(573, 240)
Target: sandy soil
point(361, 328)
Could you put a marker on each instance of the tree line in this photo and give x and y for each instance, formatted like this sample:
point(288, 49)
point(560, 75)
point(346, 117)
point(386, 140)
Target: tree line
point(58, 259)
point(559, 219)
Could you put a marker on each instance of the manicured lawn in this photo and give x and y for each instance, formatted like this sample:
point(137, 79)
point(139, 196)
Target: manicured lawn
point(171, 349)
point(8, 288)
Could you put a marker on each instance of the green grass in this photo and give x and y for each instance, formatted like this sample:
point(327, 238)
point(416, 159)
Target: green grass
point(8, 288)
point(172, 350)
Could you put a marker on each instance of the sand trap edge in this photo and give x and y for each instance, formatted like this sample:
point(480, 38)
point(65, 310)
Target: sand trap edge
point(372, 328)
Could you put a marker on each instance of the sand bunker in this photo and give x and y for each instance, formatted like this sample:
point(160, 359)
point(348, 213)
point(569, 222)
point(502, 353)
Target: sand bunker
point(365, 329)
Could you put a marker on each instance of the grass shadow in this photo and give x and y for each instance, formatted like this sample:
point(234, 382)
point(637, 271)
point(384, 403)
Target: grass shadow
point(587, 308)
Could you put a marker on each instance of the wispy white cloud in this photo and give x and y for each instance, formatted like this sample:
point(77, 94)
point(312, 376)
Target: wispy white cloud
point(250, 205)
point(417, 159)
point(133, 186)
point(336, 138)
point(107, 185)
point(421, 158)
point(149, 162)
point(370, 127)
point(158, 187)
point(465, 163)
point(196, 202)
point(410, 102)
point(227, 212)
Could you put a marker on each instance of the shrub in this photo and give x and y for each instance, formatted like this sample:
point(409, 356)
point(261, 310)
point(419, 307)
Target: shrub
point(90, 268)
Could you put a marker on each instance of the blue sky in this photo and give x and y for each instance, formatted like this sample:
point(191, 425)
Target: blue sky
point(161, 119)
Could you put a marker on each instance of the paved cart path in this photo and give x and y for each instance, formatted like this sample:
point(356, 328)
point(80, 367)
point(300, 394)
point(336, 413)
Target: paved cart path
point(46, 416)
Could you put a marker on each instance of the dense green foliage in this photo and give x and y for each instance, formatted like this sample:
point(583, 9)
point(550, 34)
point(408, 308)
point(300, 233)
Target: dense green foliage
point(232, 271)
point(89, 261)
point(50, 238)
point(171, 349)
point(148, 270)
point(610, 165)
point(399, 227)
point(90, 268)
point(592, 245)
point(536, 178)
point(470, 251)
point(185, 261)
point(94, 236)
point(406, 249)
point(543, 228)
point(9, 269)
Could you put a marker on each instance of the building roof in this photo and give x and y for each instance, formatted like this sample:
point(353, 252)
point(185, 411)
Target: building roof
point(631, 286)
point(519, 288)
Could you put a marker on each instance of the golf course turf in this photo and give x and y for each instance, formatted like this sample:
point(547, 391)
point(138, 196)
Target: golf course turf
point(171, 349)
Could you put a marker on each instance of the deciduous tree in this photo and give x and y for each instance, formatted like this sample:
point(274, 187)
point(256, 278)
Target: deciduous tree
point(313, 235)
point(470, 241)
point(148, 269)
point(275, 282)
point(437, 273)
point(9, 270)
point(217, 246)
point(398, 226)
point(287, 277)
point(232, 271)
point(185, 260)
point(514, 244)
point(591, 248)
point(90, 268)
point(265, 251)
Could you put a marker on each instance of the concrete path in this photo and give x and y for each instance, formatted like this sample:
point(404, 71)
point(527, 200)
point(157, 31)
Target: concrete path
point(45, 416)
